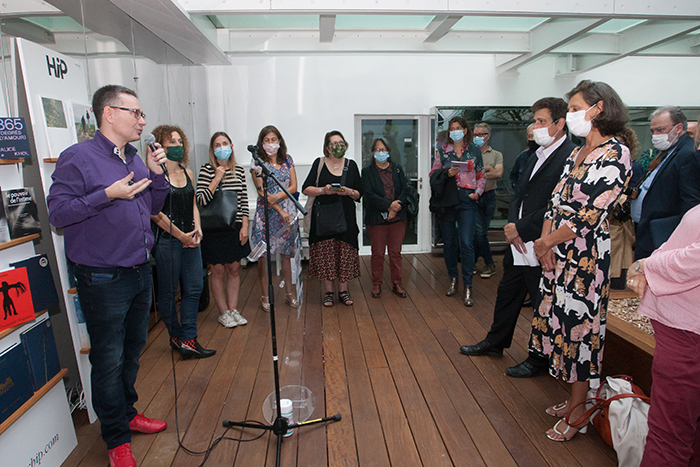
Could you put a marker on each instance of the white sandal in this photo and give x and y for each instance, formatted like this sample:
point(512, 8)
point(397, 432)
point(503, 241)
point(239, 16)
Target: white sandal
point(581, 430)
point(553, 410)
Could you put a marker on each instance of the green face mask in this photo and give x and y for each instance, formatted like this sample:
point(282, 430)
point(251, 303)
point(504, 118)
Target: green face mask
point(338, 150)
point(175, 153)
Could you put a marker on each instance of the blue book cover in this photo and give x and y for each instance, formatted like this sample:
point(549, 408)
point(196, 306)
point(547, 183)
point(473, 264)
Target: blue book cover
point(15, 381)
point(41, 283)
point(40, 347)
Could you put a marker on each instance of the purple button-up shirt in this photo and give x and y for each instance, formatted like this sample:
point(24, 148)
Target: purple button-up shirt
point(99, 232)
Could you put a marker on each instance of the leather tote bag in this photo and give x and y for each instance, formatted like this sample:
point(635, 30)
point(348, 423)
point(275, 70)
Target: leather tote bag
point(330, 218)
point(220, 214)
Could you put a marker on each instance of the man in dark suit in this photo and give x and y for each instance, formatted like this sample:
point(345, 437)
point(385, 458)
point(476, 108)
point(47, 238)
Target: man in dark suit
point(671, 185)
point(525, 217)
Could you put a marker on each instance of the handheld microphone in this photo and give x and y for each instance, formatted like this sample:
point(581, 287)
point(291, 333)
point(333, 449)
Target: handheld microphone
point(150, 140)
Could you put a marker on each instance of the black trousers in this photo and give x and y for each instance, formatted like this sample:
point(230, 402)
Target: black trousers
point(516, 284)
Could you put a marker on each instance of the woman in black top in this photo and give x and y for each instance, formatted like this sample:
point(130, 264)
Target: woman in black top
point(384, 184)
point(335, 256)
point(177, 251)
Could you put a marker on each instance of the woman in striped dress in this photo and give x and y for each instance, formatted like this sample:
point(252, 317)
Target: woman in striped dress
point(223, 251)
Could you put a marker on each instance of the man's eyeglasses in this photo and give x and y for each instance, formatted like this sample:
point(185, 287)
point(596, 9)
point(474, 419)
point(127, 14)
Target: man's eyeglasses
point(136, 112)
point(481, 134)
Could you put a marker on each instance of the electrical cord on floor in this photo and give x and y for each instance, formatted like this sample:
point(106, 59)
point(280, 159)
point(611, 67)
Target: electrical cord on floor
point(216, 441)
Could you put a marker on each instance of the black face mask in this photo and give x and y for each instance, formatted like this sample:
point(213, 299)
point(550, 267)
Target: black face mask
point(532, 145)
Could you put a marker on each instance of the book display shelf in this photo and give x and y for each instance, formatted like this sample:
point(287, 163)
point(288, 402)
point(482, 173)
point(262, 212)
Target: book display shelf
point(36, 427)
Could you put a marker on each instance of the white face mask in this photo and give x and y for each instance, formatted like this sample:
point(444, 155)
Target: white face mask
point(664, 141)
point(542, 137)
point(577, 123)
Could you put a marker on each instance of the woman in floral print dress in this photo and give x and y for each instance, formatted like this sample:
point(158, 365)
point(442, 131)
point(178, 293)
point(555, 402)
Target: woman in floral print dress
point(569, 324)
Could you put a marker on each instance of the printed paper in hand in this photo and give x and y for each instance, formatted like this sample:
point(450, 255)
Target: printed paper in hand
point(527, 259)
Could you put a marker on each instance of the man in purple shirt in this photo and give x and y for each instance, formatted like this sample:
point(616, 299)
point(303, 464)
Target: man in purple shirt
point(102, 197)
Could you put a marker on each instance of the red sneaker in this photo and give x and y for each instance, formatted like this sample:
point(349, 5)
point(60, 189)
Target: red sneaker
point(121, 456)
point(143, 424)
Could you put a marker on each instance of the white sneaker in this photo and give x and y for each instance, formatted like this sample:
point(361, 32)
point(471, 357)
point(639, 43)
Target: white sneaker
point(240, 320)
point(227, 320)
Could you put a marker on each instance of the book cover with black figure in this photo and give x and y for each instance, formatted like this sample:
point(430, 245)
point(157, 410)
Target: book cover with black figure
point(41, 283)
point(40, 346)
point(15, 381)
point(21, 212)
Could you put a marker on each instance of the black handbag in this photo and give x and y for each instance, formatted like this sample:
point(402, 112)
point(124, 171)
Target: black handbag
point(220, 213)
point(330, 218)
point(412, 202)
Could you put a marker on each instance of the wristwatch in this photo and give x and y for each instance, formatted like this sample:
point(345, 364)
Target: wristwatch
point(637, 266)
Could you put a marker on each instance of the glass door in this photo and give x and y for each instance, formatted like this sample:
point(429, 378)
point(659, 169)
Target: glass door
point(409, 144)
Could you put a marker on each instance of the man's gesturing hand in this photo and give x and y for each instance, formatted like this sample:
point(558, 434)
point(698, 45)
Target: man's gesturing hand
point(125, 188)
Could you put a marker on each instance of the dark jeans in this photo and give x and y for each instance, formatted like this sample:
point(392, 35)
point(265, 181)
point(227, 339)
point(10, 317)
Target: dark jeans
point(485, 207)
point(174, 262)
point(461, 240)
point(116, 303)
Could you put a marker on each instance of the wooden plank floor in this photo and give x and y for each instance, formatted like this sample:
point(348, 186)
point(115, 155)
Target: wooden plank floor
point(390, 366)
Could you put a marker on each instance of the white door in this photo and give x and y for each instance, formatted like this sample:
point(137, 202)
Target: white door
point(409, 144)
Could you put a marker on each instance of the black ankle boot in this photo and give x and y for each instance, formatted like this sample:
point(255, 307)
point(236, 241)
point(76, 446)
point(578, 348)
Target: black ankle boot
point(175, 344)
point(192, 348)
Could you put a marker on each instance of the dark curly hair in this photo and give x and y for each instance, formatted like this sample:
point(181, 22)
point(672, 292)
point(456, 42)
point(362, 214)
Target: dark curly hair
point(162, 133)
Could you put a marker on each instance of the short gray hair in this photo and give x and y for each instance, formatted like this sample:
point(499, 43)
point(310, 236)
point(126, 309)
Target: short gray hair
point(675, 113)
point(483, 125)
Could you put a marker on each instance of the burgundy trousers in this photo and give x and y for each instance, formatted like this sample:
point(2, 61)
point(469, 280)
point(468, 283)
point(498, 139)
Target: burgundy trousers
point(675, 399)
point(386, 237)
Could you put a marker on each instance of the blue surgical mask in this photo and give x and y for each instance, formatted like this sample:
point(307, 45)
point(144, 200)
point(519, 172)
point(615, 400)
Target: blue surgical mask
point(382, 156)
point(456, 135)
point(223, 153)
point(479, 140)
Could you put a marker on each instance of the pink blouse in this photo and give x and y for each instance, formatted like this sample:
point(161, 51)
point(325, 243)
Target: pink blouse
point(672, 272)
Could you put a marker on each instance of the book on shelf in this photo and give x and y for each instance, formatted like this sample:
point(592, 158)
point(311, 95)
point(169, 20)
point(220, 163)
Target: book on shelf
point(82, 327)
point(41, 283)
point(40, 347)
point(21, 212)
point(17, 306)
point(16, 386)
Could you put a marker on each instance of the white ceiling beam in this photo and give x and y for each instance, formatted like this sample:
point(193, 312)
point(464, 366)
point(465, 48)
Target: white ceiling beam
point(255, 41)
point(442, 29)
point(548, 36)
point(19, 27)
point(326, 27)
point(686, 46)
point(103, 17)
point(638, 39)
point(170, 22)
point(598, 43)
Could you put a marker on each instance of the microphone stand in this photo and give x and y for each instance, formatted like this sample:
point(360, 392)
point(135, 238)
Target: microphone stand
point(280, 424)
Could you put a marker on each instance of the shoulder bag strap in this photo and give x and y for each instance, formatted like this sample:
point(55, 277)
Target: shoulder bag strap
point(318, 170)
point(345, 172)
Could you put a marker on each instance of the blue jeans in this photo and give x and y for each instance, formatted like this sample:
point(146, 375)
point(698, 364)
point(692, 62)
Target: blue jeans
point(485, 207)
point(116, 303)
point(174, 262)
point(459, 237)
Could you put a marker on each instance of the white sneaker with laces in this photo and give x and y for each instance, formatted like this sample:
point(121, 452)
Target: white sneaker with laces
point(227, 320)
point(240, 320)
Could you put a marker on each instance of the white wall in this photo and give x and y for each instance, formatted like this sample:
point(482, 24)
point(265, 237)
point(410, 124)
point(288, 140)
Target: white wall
point(168, 94)
point(306, 96)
